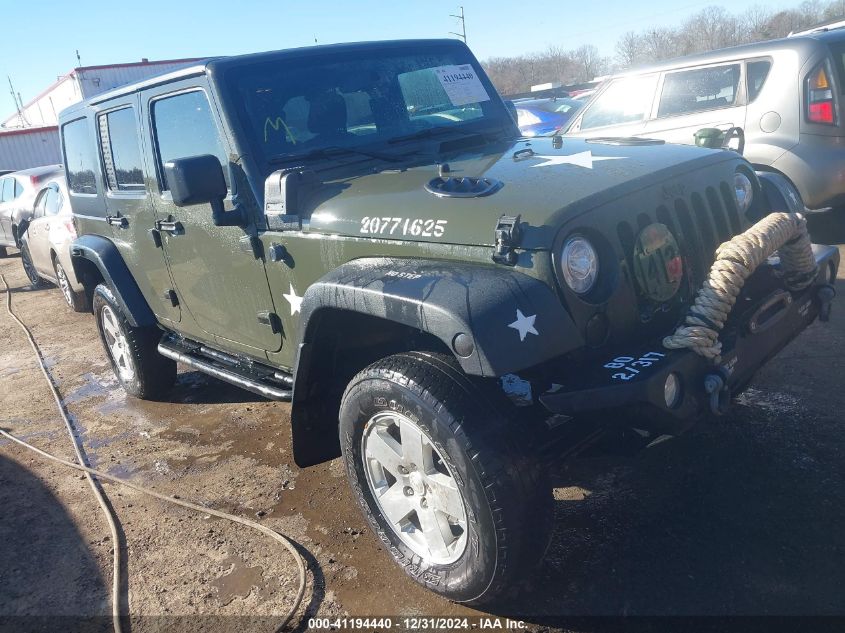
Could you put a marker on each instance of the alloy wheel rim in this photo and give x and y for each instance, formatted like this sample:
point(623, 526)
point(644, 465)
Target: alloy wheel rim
point(414, 488)
point(64, 284)
point(116, 344)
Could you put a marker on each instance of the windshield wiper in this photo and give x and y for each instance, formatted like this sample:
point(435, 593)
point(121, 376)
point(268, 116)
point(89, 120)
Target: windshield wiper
point(332, 151)
point(429, 132)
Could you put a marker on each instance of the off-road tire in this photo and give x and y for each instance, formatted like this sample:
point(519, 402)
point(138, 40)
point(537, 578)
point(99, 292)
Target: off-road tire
point(154, 374)
point(78, 301)
point(35, 279)
point(510, 517)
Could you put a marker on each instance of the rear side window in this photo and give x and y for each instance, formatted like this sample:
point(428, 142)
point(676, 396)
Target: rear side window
point(626, 100)
point(7, 192)
point(80, 157)
point(700, 89)
point(121, 152)
point(53, 204)
point(756, 73)
point(184, 126)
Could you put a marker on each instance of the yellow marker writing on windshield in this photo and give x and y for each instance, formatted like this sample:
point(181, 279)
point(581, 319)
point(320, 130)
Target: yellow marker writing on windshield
point(278, 123)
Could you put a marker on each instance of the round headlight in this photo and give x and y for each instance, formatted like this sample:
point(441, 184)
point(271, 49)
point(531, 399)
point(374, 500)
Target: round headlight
point(580, 264)
point(743, 190)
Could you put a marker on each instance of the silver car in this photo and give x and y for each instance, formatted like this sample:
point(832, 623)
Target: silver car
point(45, 244)
point(17, 200)
point(788, 95)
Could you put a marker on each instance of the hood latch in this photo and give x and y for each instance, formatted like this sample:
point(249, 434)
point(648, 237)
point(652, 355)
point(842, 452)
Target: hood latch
point(507, 237)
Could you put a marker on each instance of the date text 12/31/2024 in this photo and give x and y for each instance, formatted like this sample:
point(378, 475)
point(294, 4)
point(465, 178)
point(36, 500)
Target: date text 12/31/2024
point(417, 623)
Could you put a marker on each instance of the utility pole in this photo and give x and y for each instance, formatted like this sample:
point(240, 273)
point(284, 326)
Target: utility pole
point(18, 103)
point(463, 33)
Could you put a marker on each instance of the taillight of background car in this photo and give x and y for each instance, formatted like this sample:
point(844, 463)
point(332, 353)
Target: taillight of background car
point(820, 101)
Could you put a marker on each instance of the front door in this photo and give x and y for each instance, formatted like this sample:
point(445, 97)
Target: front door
point(48, 206)
point(218, 278)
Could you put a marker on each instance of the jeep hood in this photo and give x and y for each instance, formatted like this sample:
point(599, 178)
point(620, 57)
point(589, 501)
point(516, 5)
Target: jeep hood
point(544, 185)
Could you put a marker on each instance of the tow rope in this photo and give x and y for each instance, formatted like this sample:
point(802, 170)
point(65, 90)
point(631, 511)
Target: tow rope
point(736, 261)
point(93, 475)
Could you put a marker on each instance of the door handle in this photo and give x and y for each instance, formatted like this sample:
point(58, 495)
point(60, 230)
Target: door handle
point(117, 221)
point(173, 227)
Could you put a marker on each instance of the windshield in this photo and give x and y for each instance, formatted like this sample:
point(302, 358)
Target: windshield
point(298, 106)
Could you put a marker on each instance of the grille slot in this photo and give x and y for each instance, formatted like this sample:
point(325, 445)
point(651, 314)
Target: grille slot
point(700, 223)
point(733, 212)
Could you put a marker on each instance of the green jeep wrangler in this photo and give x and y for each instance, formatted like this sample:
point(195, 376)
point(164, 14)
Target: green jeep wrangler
point(359, 229)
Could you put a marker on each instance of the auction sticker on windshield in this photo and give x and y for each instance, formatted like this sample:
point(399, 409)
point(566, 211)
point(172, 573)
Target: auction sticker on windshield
point(461, 84)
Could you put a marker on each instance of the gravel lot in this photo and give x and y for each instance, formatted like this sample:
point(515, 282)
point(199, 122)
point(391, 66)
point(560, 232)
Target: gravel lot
point(742, 515)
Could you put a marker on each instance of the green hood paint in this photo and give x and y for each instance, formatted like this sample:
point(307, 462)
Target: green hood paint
point(546, 193)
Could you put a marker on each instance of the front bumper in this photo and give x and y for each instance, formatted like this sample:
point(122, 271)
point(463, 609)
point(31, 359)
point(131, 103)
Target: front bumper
point(765, 319)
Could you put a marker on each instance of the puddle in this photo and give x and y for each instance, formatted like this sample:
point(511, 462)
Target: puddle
point(94, 386)
point(771, 401)
point(239, 581)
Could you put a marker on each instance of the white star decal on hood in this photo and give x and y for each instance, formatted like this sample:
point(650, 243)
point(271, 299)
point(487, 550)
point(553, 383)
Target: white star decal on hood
point(581, 159)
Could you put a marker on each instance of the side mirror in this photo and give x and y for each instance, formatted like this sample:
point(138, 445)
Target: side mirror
point(199, 180)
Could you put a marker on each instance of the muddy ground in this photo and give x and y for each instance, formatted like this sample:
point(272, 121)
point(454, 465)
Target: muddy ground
point(741, 516)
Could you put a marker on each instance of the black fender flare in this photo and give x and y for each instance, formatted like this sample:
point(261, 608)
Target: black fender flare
point(780, 193)
point(469, 307)
point(104, 255)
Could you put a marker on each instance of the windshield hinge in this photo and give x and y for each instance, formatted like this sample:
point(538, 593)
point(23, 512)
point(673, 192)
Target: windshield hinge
point(507, 237)
point(285, 191)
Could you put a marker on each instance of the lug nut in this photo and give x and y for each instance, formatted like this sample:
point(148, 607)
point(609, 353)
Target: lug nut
point(403, 470)
point(409, 492)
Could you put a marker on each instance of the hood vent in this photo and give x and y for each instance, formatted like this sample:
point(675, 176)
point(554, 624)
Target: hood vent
point(462, 187)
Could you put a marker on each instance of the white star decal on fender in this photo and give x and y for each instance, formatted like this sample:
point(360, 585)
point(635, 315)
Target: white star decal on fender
point(581, 159)
point(294, 301)
point(524, 325)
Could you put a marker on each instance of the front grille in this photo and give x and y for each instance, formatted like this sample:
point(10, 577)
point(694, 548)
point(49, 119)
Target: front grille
point(700, 223)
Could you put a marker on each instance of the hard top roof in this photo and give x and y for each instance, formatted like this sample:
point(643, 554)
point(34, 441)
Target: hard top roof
point(223, 63)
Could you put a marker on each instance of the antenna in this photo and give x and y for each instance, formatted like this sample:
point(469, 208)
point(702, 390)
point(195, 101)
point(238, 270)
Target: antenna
point(18, 103)
point(463, 33)
point(78, 58)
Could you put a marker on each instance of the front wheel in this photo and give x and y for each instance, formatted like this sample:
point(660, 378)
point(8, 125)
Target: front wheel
point(441, 479)
point(141, 370)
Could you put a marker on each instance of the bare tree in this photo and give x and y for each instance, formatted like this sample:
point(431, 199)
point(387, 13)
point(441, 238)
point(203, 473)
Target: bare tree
point(590, 63)
point(711, 28)
point(628, 49)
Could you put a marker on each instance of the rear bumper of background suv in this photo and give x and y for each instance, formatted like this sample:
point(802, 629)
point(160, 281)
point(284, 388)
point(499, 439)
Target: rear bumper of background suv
point(766, 319)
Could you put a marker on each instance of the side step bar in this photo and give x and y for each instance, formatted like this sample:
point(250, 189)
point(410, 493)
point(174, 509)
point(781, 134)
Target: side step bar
point(241, 373)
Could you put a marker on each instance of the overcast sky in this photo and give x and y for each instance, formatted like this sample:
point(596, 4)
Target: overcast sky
point(39, 37)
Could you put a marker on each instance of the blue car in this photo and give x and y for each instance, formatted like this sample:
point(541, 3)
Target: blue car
point(544, 117)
